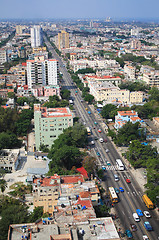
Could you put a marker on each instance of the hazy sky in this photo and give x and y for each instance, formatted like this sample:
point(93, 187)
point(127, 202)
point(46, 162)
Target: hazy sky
point(79, 8)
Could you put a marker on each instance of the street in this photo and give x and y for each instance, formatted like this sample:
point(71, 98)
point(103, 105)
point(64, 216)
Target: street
point(130, 199)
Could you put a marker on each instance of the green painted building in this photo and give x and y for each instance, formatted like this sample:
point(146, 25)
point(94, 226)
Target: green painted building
point(50, 123)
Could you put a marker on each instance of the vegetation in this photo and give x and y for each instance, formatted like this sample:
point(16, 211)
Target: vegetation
point(85, 71)
point(12, 211)
point(109, 111)
point(140, 155)
point(3, 42)
point(127, 133)
point(65, 94)
point(65, 151)
point(134, 86)
point(19, 190)
point(55, 102)
point(90, 164)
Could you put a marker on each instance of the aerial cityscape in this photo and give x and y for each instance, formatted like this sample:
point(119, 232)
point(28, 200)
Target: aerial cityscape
point(79, 120)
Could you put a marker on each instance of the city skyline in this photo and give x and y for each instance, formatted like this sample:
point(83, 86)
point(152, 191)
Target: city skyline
point(83, 9)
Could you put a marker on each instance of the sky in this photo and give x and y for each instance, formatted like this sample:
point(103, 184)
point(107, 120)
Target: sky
point(118, 9)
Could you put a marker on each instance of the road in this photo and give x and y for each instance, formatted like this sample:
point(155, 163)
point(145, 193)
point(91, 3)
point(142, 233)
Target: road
point(131, 199)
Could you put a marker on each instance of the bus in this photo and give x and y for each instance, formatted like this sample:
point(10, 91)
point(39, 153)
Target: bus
point(88, 131)
point(120, 165)
point(147, 201)
point(113, 195)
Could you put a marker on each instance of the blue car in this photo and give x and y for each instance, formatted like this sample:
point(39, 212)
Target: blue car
point(121, 189)
point(128, 233)
point(98, 154)
point(139, 212)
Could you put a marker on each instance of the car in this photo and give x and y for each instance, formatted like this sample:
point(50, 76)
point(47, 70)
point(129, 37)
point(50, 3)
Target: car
point(98, 154)
point(105, 140)
point(92, 142)
point(107, 150)
point(145, 237)
point(89, 112)
point(104, 168)
point(128, 233)
point(108, 164)
point(99, 130)
point(147, 214)
point(86, 108)
point(148, 226)
point(139, 212)
point(101, 140)
point(81, 100)
point(128, 180)
point(121, 189)
point(75, 94)
point(94, 127)
point(136, 217)
point(95, 122)
point(95, 138)
point(76, 91)
point(116, 190)
point(133, 227)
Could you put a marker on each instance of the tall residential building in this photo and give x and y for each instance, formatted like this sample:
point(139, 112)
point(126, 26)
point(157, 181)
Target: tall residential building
point(19, 29)
point(3, 56)
point(50, 123)
point(36, 36)
point(63, 40)
point(44, 72)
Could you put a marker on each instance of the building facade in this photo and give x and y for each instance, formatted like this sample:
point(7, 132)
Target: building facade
point(3, 56)
point(50, 123)
point(44, 72)
point(36, 36)
point(63, 40)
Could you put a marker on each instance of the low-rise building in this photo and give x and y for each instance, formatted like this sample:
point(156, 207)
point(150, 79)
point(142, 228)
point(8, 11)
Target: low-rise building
point(125, 116)
point(151, 78)
point(46, 91)
point(130, 71)
point(50, 123)
point(9, 159)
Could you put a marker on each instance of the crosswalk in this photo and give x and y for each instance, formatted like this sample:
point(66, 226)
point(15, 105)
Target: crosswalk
point(111, 167)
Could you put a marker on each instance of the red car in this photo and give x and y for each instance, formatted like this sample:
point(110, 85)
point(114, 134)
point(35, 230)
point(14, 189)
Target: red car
point(128, 180)
point(99, 130)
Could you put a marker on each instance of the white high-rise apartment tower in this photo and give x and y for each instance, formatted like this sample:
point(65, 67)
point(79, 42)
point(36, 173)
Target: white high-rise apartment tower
point(36, 36)
point(42, 72)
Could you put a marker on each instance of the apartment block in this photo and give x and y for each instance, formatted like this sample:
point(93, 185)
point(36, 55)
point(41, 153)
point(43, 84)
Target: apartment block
point(44, 72)
point(46, 91)
point(111, 79)
point(130, 71)
point(50, 123)
point(19, 29)
point(136, 44)
point(36, 36)
point(63, 40)
point(3, 56)
point(151, 78)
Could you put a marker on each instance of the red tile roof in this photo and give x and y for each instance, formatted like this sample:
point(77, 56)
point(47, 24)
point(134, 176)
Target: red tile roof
point(83, 171)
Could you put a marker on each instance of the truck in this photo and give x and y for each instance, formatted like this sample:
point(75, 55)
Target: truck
point(147, 226)
point(147, 201)
point(88, 131)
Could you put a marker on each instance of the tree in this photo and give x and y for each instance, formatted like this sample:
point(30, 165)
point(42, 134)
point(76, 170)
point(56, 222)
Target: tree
point(44, 148)
point(90, 164)
point(79, 44)
point(36, 214)
point(11, 94)
point(89, 98)
point(107, 109)
point(3, 185)
point(65, 94)
point(128, 133)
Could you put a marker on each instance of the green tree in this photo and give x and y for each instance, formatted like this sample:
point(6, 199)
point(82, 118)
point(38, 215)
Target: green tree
point(106, 111)
point(89, 98)
point(65, 94)
point(90, 164)
point(36, 214)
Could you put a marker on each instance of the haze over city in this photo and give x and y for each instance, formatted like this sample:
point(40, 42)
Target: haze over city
point(118, 9)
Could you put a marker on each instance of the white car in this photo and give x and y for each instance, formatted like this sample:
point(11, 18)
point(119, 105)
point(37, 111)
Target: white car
point(107, 150)
point(147, 214)
point(92, 142)
point(101, 140)
point(145, 237)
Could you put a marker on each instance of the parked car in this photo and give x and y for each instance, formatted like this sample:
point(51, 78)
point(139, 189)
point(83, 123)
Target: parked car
point(128, 233)
point(133, 227)
point(128, 180)
point(121, 189)
point(147, 214)
point(139, 212)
